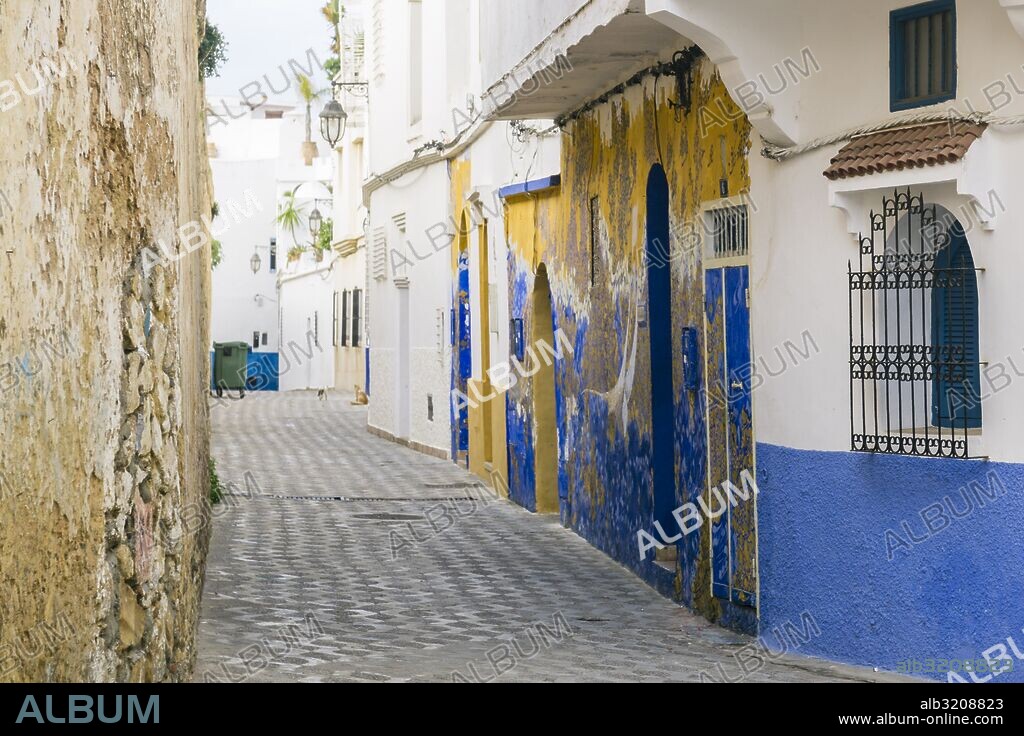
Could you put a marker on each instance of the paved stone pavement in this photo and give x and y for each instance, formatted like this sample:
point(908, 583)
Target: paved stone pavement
point(314, 574)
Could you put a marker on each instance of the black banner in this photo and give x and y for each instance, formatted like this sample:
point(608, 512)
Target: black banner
point(148, 707)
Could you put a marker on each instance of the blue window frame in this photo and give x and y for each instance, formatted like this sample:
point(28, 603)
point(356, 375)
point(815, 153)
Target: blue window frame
point(922, 47)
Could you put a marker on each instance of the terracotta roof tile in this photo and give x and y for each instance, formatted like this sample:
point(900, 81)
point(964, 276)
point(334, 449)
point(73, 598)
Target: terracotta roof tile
point(904, 148)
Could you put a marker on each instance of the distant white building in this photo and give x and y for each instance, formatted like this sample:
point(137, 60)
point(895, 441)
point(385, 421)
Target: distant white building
point(265, 291)
point(307, 353)
point(244, 149)
point(305, 280)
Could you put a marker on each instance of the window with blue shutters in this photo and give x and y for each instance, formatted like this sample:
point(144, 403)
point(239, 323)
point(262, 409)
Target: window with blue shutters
point(956, 393)
point(922, 49)
point(915, 365)
point(357, 305)
point(344, 318)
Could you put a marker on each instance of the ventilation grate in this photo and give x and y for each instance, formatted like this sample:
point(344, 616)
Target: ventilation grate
point(355, 499)
point(726, 230)
point(380, 254)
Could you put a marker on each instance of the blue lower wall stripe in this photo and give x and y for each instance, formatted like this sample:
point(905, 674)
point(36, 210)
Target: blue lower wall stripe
point(895, 558)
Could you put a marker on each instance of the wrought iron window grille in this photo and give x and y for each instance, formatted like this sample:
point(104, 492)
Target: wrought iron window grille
point(914, 350)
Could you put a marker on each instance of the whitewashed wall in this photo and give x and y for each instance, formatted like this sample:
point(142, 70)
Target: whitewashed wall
point(402, 377)
point(307, 352)
point(514, 29)
point(244, 302)
point(801, 243)
point(425, 298)
point(800, 249)
point(421, 291)
point(244, 165)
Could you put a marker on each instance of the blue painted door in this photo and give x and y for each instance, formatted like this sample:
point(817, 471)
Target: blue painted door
point(464, 357)
point(731, 497)
point(659, 311)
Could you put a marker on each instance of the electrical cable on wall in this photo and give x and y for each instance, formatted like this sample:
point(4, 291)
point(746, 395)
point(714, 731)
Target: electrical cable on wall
point(657, 126)
point(682, 65)
point(781, 153)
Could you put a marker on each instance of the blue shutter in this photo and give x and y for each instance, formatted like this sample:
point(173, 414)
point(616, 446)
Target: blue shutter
point(357, 334)
point(922, 49)
point(344, 318)
point(956, 398)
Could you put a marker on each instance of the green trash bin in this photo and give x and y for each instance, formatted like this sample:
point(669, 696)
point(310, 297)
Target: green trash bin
point(230, 366)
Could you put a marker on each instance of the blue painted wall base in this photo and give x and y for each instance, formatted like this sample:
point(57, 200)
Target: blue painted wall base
point(895, 558)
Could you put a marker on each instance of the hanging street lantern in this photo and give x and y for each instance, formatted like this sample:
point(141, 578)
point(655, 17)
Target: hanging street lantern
point(316, 220)
point(255, 262)
point(333, 120)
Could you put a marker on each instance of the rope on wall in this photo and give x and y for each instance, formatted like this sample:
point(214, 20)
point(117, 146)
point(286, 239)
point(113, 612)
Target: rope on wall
point(782, 153)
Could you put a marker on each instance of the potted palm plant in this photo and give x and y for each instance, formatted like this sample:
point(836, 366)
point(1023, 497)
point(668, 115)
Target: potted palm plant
point(309, 94)
point(289, 217)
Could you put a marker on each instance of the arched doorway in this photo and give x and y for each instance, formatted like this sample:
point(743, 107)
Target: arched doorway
point(545, 448)
point(463, 356)
point(659, 319)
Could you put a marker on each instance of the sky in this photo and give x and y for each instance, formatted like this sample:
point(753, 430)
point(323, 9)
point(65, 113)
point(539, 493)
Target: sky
point(262, 37)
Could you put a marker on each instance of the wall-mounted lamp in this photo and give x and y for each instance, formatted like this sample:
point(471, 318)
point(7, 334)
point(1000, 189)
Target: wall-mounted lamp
point(316, 220)
point(333, 118)
point(333, 121)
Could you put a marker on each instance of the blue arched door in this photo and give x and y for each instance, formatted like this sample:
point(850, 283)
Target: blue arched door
point(463, 356)
point(659, 313)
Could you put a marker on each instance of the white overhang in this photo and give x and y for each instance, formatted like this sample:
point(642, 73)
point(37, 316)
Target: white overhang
point(746, 40)
point(1015, 9)
point(973, 178)
point(602, 45)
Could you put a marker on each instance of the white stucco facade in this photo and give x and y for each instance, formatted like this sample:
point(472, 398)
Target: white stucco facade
point(824, 77)
point(307, 351)
point(349, 214)
point(256, 157)
point(799, 281)
point(244, 161)
point(409, 307)
point(428, 128)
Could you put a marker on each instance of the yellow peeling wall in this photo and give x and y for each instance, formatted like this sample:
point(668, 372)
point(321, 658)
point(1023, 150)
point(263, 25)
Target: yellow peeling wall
point(493, 410)
point(603, 389)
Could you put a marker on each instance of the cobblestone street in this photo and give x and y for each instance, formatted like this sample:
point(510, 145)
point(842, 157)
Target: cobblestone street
point(344, 557)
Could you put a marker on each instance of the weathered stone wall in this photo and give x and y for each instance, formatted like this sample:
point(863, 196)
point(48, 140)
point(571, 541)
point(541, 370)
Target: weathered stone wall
point(103, 348)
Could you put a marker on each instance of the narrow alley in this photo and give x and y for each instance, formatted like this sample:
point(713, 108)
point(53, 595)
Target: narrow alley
point(315, 575)
point(510, 341)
